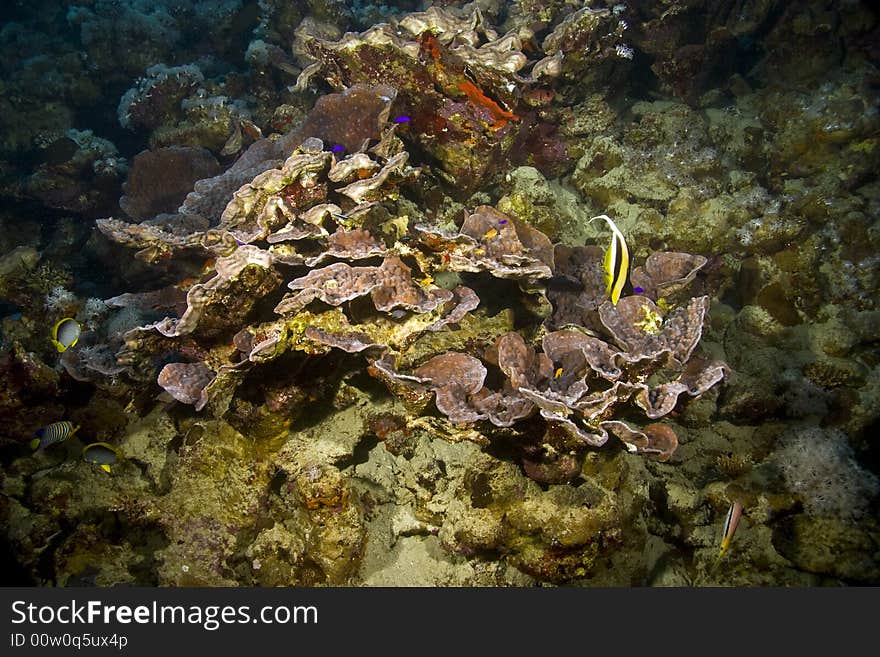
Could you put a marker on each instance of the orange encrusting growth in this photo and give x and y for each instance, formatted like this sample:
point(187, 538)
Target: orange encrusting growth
point(430, 48)
point(428, 43)
point(500, 115)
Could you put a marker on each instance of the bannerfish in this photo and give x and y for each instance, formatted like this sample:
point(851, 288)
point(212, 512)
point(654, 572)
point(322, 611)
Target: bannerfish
point(65, 334)
point(730, 522)
point(53, 433)
point(616, 263)
point(101, 454)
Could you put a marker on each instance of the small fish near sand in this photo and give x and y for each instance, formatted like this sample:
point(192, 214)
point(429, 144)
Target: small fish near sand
point(65, 334)
point(616, 264)
point(103, 455)
point(734, 513)
point(53, 433)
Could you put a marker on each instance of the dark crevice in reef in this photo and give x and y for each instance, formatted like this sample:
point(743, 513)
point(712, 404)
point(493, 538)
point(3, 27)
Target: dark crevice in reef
point(361, 452)
point(12, 572)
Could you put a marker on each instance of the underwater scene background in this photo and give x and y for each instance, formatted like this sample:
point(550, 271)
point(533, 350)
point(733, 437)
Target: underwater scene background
point(540, 292)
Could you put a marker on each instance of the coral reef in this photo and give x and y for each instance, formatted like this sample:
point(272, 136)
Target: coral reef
point(361, 279)
point(290, 210)
point(157, 95)
point(365, 337)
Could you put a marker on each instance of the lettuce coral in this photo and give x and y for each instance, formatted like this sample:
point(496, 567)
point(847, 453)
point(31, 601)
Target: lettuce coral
point(378, 296)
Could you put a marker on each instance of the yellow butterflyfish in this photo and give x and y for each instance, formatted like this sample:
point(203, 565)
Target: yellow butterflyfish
point(102, 454)
point(616, 263)
point(65, 334)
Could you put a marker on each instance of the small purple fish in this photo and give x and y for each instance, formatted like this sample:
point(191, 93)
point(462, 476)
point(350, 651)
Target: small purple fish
point(401, 119)
point(638, 290)
point(338, 148)
point(501, 222)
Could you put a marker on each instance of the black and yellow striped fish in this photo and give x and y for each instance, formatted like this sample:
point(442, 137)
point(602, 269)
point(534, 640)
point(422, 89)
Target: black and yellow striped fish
point(616, 263)
point(53, 433)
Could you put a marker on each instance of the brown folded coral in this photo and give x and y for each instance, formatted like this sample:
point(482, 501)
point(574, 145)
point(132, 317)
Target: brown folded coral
point(591, 363)
point(159, 180)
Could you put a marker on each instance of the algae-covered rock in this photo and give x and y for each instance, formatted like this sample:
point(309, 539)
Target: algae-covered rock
point(546, 205)
point(89, 558)
point(217, 492)
point(830, 546)
point(553, 535)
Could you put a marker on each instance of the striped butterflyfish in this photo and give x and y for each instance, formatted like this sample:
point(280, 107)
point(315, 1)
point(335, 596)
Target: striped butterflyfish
point(53, 433)
point(616, 263)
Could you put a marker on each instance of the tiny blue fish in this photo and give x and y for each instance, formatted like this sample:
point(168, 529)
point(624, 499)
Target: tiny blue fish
point(338, 148)
point(638, 290)
point(53, 433)
point(501, 222)
point(402, 119)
